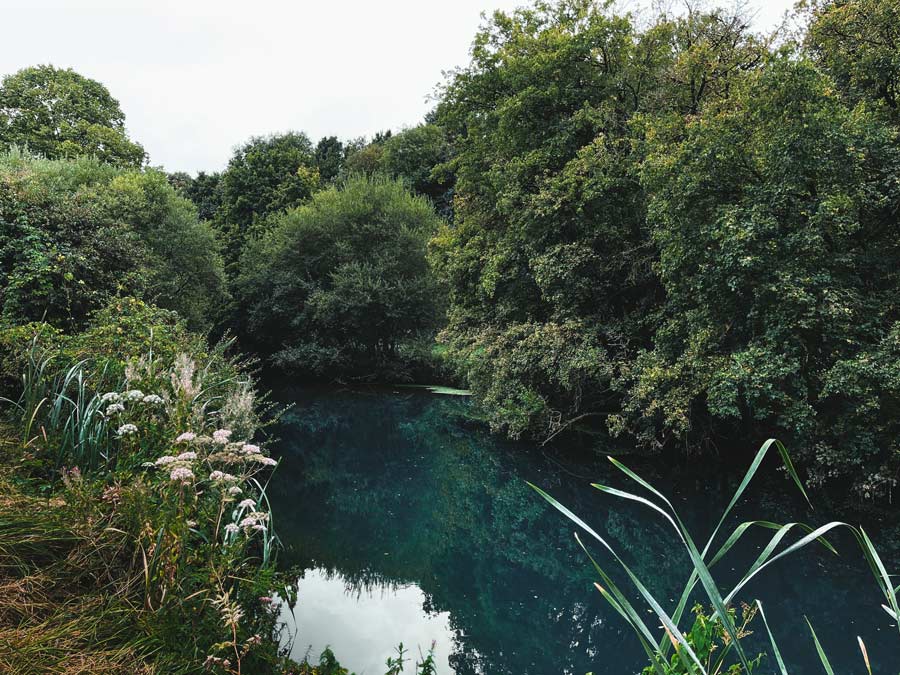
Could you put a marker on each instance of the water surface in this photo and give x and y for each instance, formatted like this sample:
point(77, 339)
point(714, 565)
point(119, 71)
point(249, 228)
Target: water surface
point(408, 523)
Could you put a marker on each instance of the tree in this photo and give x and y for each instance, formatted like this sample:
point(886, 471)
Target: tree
point(74, 233)
point(58, 113)
point(857, 42)
point(775, 218)
point(329, 158)
point(204, 191)
point(337, 286)
point(265, 175)
point(418, 156)
point(362, 157)
point(547, 262)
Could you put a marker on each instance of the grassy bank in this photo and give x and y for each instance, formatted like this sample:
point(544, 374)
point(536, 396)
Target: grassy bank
point(134, 533)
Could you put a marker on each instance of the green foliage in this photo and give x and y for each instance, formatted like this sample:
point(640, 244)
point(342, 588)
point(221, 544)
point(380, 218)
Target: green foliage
point(64, 377)
point(706, 219)
point(363, 158)
point(771, 217)
point(74, 233)
point(417, 156)
point(329, 158)
point(204, 190)
point(709, 641)
point(336, 286)
point(158, 542)
point(264, 176)
point(550, 212)
point(856, 43)
point(520, 371)
point(58, 113)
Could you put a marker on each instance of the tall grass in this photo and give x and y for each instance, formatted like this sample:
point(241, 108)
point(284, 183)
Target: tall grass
point(64, 599)
point(132, 565)
point(62, 405)
point(658, 645)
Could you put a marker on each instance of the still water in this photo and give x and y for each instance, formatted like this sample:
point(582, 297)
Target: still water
point(406, 522)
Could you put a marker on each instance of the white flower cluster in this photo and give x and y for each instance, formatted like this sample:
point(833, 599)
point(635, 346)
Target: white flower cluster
point(213, 449)
point(222, 477)
point(180, 467)
point(115, 404)
point(254, 521)
point(126, 430)
point(253, 453)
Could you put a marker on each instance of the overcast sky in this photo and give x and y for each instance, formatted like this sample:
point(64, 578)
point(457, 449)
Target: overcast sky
point(197, 77)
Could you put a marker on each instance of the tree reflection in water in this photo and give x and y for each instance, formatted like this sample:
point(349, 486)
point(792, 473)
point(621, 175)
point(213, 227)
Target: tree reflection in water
point(385, 491)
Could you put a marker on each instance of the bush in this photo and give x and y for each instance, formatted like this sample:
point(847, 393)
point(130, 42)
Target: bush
point(336, 286)
point(74, 233)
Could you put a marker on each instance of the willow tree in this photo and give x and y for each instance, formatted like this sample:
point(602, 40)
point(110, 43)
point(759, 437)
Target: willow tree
point(339, 285)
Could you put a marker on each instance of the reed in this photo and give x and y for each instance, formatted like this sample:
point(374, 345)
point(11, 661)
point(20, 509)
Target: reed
point(658, 646)
point(62, 405)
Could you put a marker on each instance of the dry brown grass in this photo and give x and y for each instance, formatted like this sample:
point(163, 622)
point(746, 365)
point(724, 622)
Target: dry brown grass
point(63, 609)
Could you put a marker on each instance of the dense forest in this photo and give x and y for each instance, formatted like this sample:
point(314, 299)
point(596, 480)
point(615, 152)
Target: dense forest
point(670, 228)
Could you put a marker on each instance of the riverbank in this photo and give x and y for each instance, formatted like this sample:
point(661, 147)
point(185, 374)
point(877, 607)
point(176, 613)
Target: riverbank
point(134, 529)
point(136, 535)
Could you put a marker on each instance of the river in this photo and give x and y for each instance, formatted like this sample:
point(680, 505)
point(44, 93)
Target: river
point(405, 521)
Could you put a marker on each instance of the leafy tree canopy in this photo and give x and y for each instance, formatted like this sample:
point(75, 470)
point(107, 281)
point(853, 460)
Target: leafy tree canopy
point(58, 113)
point(264, 176)
point(74, 233)
point(857, 42)
point(775, 221)
point(418, 156)
point(337, 286)
point(204, 190)
point(329, 158)
point(680, 228)
point(550, 235)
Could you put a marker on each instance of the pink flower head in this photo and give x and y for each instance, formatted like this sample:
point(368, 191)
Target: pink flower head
point(182, 474)
point(186, 437)
point(221, 435)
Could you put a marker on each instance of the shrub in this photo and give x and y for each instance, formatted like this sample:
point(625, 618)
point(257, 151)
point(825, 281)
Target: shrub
point(74, 233)
point(336, 286)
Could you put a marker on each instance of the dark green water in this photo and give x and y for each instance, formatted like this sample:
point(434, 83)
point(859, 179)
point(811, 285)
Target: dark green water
point(411, 524)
